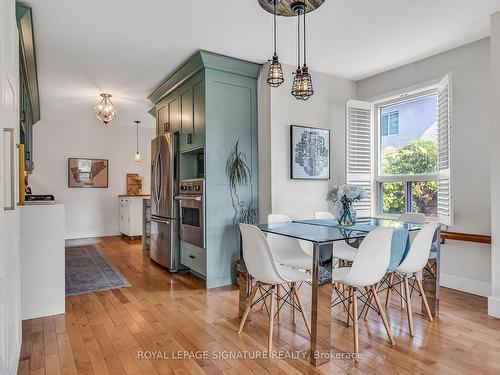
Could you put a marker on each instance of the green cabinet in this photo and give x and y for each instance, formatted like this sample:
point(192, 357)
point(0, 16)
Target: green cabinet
point(168, 114)
point(215, 99)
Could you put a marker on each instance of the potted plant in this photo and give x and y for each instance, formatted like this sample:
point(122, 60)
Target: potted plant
point(343, 197)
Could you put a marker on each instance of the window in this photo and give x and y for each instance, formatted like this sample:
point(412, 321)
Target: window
point(407, 154)
point(399, 151)
point(389, 123)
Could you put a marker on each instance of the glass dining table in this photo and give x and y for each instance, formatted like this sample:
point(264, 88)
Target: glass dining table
point(322, 234)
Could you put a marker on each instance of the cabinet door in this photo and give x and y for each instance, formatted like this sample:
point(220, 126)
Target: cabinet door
point(161, 117)
point(173, 110)
point(198, 136)
point(186, 118)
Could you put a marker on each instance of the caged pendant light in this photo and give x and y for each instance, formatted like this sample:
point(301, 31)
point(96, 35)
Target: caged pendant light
point(105, 110)
point(302, 88)
point(275, 74)
point(137, 156)
point(305, 88)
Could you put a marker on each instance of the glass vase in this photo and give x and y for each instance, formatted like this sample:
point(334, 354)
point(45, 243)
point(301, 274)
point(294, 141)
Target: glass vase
point(346, 215)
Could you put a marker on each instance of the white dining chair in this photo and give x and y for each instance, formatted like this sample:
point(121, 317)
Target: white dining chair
point(411, 268)
point(268, 274)
point(412, 217)
point(367, 269)
point(341, 249)
point(287, 250)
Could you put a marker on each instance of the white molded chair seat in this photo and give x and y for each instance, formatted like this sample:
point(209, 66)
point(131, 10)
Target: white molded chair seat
point(261, 265)
point(412, 266)
point(286, 250)
point(341, 249)
point(368, 268)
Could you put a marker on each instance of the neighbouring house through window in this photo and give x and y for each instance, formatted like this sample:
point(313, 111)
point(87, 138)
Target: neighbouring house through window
point(406, 149)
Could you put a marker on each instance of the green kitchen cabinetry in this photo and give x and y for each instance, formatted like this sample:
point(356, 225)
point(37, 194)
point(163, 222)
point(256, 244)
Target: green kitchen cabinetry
point(217, 106)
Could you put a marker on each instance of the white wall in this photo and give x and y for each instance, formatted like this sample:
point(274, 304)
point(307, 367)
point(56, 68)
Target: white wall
point(494, 300)
point(89, 212)
point(10, 318)
point(325, 109)
point(465, 266)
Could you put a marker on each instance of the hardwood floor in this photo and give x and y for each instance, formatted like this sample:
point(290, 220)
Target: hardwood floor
point(106, 332)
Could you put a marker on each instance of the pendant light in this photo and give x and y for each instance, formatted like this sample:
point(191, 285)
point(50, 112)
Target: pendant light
point(297, 79)
point(275, 74)
point(137, 157)
point(105, 110)
point(306, 87)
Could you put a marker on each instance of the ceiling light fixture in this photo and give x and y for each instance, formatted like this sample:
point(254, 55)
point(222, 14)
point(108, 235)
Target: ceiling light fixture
point(275, 74)
point(137, 157)
point(105, 110)
point(302, 87)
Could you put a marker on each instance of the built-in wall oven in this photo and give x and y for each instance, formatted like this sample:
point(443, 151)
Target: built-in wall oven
point(192, 211)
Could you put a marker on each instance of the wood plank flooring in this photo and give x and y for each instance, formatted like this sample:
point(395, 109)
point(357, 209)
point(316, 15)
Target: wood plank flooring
point(106, 332)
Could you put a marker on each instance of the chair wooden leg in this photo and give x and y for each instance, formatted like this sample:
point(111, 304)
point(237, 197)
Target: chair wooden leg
point(408, 304)
point(247, 308)
point(355, 320)
point(271, 320)
point(383, 316)
point(302, 310)
point(349, 305)
point(424, 298)
point(367, 311)
point(292, 301)
point(278, 300)
point(389, 290)
point(401, 292)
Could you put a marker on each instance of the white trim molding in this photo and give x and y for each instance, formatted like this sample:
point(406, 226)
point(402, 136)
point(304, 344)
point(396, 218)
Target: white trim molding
point(494, 306)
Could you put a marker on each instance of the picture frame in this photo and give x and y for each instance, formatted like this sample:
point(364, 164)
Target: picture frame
point(309, 153)
point(88, 173)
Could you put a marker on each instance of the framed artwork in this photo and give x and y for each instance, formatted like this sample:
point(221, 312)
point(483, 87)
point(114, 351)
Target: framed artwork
point(309, 153)
point(87, 173)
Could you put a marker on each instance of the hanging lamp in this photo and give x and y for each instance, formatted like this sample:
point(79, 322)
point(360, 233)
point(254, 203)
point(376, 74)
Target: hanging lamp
point(297, 79)
point(275, 74)
point(105, 110)
point(137, 157)
point(306, 87)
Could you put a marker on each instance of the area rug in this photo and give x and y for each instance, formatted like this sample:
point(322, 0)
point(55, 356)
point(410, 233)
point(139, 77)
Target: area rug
point(87, 271)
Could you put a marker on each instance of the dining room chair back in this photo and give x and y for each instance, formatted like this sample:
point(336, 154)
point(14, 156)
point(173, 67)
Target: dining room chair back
point(324, 215)
point(412, 217)
point(258, 257)
point(372, 258)
point(417, 256)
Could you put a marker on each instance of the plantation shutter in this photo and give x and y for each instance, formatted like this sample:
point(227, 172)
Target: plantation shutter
point(445, 207)
point(359, 151)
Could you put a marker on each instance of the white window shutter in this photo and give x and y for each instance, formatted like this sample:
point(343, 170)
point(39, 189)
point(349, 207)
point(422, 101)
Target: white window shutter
point(359, 151)
point(445, 206)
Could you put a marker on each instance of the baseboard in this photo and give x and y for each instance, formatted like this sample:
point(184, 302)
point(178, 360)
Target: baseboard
point(494, 306)
point(106, 233)
point(464, 284)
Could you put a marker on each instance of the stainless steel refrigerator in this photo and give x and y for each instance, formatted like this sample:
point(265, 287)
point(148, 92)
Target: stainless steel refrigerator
point(164, 248)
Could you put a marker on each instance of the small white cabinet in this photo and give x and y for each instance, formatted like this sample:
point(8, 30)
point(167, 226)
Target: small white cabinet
point(131, 215)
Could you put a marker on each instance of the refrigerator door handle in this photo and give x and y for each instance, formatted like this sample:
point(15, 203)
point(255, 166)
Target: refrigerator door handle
point(161, 221)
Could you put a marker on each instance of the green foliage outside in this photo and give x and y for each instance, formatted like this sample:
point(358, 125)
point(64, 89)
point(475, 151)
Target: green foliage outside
point(418, 156)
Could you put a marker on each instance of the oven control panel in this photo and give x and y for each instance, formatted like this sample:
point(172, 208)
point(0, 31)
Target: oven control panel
point(192, 187)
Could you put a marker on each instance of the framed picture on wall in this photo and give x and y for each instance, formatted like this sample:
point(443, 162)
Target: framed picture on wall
point(309, 153)
point(87, 173)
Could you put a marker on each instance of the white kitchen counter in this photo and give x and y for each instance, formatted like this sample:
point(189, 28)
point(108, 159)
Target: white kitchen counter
point(42, 260)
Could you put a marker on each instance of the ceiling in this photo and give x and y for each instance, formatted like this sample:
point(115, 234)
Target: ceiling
point(127, 47)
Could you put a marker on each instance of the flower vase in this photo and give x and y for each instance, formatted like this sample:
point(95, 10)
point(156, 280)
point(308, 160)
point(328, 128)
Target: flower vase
point(346, 215)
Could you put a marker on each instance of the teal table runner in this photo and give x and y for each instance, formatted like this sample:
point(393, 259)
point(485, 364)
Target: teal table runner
point(400, 239)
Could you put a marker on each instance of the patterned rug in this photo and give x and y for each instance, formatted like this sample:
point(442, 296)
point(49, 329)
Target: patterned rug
point(87, 271)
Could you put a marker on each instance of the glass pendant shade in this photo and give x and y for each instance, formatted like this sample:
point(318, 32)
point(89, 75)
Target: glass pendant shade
point(105, 110)
point(137, 158)
point(275, 74)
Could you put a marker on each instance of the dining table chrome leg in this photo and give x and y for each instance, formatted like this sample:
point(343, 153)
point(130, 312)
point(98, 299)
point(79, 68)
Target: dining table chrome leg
point(321, 317)
point(430, 280)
